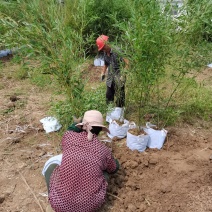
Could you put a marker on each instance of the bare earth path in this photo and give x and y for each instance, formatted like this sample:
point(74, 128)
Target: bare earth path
point(177, 178)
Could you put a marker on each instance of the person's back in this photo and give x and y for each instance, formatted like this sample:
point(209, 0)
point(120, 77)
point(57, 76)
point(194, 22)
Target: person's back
point(78, 184)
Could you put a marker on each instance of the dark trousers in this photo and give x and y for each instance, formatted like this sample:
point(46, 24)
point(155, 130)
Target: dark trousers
point(117, 91)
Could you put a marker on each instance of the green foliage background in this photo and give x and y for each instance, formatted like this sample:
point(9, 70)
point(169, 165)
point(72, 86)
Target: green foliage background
point(165, 52)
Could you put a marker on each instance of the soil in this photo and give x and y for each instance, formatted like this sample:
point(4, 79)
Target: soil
point(136, 131)
point(177, 178)
point(120, 123)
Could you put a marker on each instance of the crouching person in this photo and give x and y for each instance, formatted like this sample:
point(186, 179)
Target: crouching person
point(79, 183)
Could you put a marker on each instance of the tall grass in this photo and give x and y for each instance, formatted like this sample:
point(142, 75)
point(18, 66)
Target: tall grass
point(147, 42)
point(44, 36)
point(162, 50)
point(159, 51)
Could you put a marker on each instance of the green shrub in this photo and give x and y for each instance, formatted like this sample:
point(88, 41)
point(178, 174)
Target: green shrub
point(198, 20)
point(93, 99)
point(162, 51)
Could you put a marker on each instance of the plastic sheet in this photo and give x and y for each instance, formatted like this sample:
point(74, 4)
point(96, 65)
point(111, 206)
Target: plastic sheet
point(50, 124)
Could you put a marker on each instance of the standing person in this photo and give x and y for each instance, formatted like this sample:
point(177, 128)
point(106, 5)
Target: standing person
point(79, 184)
point(113, 62)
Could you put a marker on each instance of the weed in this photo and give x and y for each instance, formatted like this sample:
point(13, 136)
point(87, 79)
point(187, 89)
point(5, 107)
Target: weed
point(39, 79)
point(94, 99)
point(7, 111)
point(22, 73)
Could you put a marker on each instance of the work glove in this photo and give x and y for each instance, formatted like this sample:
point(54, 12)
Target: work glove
point(102, 77)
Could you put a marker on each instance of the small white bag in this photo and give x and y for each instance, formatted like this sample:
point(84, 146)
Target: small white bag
point(118, 131)
point(116, 113)
point(137, 142)
point(99, 62)
point(157, 137)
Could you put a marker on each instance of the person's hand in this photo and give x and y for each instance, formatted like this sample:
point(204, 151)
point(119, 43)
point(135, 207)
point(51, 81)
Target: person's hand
point(102, 77)
point(123, 78)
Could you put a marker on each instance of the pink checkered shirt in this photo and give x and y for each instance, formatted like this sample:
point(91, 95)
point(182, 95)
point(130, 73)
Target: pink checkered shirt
point(78, 184)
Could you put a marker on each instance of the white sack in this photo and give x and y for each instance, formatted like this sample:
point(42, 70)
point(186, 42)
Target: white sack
point(210, 65)
point(132, 125)
point(116, 113)
point(102, 62)
point(118, 131)
point(157, 137)
point(137, 142)
point(99, 62)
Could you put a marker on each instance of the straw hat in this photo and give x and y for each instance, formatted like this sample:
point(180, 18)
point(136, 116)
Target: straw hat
point(92, 118)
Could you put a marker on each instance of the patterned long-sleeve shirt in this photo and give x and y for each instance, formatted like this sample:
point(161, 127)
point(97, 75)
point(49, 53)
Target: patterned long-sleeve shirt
point(78, 184)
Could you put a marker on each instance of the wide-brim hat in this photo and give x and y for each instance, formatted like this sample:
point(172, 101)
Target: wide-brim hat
point(92, 118)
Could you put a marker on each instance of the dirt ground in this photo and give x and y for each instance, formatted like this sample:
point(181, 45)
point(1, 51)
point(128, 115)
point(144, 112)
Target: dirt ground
point(177, 178)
